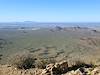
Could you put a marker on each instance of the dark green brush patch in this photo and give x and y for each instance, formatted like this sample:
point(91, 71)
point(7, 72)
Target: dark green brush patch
point(34, 50)
point(26, 64)
point(1, 56)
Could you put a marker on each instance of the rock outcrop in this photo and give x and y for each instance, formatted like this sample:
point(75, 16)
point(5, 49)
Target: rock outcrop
point(60, 68)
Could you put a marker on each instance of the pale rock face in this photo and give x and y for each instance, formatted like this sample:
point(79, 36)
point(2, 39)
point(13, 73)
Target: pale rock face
point(49, 67)
point(63, 65)
point(77, 72)
point(96, 71)
point(57, 68)
point(44, 71)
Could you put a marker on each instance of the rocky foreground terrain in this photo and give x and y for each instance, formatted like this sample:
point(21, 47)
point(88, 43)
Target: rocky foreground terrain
point(61, 68)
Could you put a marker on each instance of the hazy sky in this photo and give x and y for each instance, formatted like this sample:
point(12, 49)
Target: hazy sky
point(50, 10)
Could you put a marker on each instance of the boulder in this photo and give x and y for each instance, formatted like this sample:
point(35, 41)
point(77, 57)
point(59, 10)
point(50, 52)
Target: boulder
point(96, 71)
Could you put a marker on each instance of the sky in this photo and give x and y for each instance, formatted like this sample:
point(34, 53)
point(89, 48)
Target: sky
point(50, 10)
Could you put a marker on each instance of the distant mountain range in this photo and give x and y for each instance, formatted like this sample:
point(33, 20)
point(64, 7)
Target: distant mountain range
point(45, 24)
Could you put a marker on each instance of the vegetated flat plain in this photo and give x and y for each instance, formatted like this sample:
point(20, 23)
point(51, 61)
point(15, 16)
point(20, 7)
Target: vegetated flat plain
point(58, 43)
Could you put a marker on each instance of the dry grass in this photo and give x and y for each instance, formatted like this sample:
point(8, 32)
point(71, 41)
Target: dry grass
point(42, 63)
point(79, 64)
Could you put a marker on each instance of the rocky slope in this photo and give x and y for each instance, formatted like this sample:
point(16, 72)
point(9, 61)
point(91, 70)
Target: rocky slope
point(61, 68)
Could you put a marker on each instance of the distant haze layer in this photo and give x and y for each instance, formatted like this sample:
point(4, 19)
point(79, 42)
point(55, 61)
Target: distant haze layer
point(38, 24)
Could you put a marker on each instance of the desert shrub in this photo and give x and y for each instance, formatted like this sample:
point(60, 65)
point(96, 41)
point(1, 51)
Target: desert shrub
point(24, 61)
point(42, 63)
point(27, 61)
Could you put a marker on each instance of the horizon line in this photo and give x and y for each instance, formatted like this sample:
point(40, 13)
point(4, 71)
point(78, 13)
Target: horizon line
point(45, 22)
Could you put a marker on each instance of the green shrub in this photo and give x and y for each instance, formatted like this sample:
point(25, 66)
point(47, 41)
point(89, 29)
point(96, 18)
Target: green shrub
point(23, 61)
